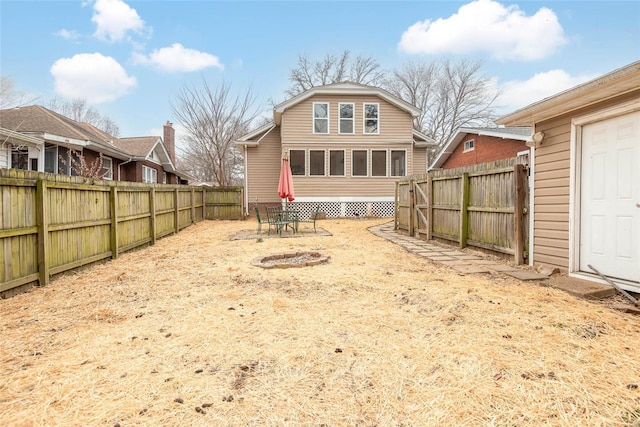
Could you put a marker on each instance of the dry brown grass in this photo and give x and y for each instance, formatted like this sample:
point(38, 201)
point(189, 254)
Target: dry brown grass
point(376, 337)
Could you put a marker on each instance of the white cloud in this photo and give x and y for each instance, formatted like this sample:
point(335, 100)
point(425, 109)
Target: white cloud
point(92, 76)
point(177, 58)
point(115, 19)
point(516, 94)
point(71, 35)
point(504, 32)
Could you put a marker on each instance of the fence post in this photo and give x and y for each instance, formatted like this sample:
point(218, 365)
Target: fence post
point(113, 204)
point(204, 202)
point(176, 219)
point(152, 217)
point(412, 208)
point(464, 213)
point(42, 221)
point(193, 206)
point(518, 213)
point(429, 206)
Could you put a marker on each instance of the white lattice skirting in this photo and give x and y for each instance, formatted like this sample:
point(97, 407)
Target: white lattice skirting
point(347, 209)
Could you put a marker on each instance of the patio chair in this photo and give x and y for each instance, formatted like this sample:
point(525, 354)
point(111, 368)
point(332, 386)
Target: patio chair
point(276, 219)
point(312, 219)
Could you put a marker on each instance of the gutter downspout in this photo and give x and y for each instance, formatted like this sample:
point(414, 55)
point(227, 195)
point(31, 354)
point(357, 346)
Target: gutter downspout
point(120, 164)
point(246, 183)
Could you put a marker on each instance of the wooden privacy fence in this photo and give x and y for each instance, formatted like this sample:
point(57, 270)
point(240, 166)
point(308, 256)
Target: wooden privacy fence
point(484, 205)
point(53, 223)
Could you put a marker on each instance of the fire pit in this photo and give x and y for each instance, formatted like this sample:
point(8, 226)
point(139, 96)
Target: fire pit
point(290, 260)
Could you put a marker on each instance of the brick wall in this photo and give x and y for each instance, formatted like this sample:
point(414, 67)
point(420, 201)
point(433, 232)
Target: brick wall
point(486, 149)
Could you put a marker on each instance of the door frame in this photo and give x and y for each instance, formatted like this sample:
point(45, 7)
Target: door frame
point(575, 186)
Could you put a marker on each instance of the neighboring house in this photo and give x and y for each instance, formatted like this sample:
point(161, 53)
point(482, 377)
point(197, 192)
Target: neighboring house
point(586, 169)
point(36, 138)
point(473, 145)
point(347, 144)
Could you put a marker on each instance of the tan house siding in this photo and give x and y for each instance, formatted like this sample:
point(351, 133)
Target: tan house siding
point(263, 171)
point(394, 124)
point(551, 212)
point(552, 184)
point(420, 161)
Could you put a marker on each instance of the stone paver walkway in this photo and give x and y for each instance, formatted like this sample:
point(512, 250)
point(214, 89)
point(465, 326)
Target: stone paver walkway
point(458, 260)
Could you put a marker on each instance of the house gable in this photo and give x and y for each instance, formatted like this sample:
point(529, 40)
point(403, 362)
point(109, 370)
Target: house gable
point(470, 146)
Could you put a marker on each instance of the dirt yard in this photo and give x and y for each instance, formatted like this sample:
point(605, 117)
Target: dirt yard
point(188, 332)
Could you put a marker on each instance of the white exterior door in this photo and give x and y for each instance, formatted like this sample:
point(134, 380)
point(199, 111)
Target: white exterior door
point(610, 198)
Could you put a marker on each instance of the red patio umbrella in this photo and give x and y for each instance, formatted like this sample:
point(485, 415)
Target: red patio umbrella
point(285, 186)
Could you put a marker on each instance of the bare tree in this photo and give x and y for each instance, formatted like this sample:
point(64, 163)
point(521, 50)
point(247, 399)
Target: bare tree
point(333, 69)
point(213, 119)
point(78, 109)
point(415, 83)
point(11, 97)
point(77, 162)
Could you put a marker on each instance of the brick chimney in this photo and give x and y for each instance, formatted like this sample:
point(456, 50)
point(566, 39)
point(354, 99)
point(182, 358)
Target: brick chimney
point(169, 139)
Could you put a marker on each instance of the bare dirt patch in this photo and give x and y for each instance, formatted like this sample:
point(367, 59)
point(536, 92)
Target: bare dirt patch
point(188, 332)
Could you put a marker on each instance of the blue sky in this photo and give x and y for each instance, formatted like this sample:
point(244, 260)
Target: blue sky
point(130, 58)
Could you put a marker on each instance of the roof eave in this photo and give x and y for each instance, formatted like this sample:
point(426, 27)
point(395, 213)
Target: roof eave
point(616, 83)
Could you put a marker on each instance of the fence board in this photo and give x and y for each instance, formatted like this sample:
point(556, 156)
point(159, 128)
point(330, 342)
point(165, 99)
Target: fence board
point(53, 223)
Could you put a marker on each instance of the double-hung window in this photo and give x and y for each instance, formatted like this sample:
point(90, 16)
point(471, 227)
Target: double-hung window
point(371, 119)
point(107, 168)
point(346, 120)
point(320, 117)
point(469, 145)
point(149, 175)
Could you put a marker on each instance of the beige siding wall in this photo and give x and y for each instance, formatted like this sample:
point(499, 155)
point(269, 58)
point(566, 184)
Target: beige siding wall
point(551, 199)
point(552, 181)
point(263, 169)
point(396, 132)
point(420, 161)
point(395, 125)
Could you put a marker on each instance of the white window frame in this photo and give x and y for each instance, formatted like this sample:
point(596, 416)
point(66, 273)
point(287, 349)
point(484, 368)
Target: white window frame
point(352, 119)
point(164, 177)
point(313, 115)
point(367, 157)
point(364, 118)
point(390, 171)
point(386, 163)
point(469, 145)
point(109, 174)
point(344, 163)
point(149, 175)
point(324, 156)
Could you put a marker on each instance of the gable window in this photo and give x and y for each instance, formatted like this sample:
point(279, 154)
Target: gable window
point(378, 162)
point(398, 162)
point(359, 163)
point(320, 117)
point(346, 118)
point(107, 168)
point(469, 145)
point(316, 162)
point(336, 163)
point(371, 119)
point(149, 175)
point(297, 162)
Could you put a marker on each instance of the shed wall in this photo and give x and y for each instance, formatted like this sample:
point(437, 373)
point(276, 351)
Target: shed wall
point(552, 185)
